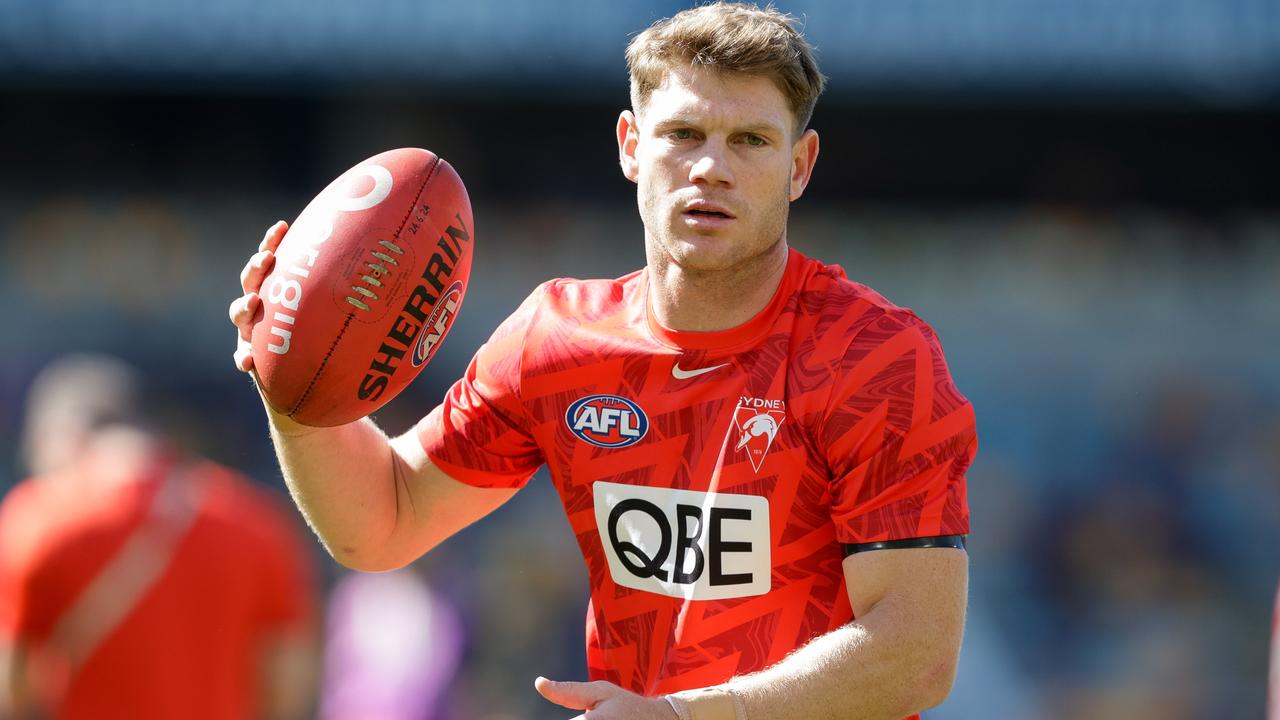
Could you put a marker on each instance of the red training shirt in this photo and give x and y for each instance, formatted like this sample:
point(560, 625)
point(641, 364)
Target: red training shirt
point(712, 478)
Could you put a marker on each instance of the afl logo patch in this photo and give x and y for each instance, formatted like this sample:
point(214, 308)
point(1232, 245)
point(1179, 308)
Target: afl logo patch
point(437, 326)
point(607, 421)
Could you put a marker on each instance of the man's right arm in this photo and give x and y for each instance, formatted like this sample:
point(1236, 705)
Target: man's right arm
point(376, 503)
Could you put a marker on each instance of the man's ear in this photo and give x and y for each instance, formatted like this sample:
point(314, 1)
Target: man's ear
point(628, 138)
point(803, 156)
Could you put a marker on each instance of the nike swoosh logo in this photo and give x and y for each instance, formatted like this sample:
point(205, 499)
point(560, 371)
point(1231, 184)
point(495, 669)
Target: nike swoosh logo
point(679, 374)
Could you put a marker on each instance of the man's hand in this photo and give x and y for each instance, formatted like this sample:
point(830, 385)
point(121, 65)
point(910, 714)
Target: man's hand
point(604, 701)
point(244, 309)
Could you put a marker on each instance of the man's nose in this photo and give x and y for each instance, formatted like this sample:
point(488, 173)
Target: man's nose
point(711, 166)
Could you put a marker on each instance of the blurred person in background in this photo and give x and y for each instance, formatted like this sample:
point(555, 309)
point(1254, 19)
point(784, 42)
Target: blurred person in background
point(392, 646)
point(799, 449)
point(1273, 682)
point(136, 582)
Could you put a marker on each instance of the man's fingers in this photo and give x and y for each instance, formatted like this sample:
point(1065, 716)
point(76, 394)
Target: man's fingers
point(262, 261)
point(256, 269)
point(238, 310)
point(274, 235)
point(561, 694)
point(575, 695)
point(242, 312)
point(244, 357)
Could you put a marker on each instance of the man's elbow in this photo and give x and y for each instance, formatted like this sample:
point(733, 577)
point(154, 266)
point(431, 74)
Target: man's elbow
point(362, 559)
point(937, 678)
point(372, 556)
point(353, 559)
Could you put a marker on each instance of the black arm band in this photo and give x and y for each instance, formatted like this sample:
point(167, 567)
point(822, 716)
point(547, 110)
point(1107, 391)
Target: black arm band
point(939, 541)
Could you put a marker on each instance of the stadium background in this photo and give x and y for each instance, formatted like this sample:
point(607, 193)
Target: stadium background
point(1081, 197)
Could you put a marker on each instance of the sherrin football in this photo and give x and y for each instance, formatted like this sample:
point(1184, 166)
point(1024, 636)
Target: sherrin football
point(366, 284)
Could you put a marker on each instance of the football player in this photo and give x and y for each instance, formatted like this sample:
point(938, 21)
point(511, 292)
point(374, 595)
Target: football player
point(763, 461)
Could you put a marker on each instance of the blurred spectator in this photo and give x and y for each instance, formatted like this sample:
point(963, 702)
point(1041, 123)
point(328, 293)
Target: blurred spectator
point(136, 582)
point(1273, 685)
point(393, 645)
point(1145, 614)
point(522, 557)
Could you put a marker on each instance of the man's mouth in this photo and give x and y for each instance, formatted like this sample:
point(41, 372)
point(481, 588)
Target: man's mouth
point(703, 209)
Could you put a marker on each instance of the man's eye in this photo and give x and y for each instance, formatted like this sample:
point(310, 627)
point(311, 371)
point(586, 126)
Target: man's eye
point(753, 140)
point(681, 134)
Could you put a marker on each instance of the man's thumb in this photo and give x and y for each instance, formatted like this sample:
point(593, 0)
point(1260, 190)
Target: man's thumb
point(573, 695)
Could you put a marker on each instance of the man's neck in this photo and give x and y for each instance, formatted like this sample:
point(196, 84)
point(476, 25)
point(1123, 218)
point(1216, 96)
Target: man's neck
point(709, 301)
point(123, 456)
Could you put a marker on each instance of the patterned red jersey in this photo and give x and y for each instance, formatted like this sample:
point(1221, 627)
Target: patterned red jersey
point(711, 478)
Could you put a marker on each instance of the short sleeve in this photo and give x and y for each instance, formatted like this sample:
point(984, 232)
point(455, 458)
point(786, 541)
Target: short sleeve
point(899, 436)
point(480, 434)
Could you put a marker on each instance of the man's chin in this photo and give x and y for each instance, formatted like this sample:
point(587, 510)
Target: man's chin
point(703, 252)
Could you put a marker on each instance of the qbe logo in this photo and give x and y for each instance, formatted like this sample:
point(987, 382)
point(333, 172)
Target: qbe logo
point(607, 421)
point(682, 543)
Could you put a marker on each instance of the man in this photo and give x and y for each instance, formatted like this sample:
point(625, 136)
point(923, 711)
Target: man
point(136, 583)
point(763, 461)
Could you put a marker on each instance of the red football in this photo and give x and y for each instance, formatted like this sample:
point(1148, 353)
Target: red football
point(365, 286)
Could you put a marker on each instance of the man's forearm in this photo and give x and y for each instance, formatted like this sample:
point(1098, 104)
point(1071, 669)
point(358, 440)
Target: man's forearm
point(888, 664)
point(376, 503)
point(342, 479)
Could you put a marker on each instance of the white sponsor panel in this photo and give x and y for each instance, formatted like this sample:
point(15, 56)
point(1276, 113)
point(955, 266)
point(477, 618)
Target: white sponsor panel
point(683, 543)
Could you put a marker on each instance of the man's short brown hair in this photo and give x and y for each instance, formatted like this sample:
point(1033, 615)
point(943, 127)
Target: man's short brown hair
point(729, 37)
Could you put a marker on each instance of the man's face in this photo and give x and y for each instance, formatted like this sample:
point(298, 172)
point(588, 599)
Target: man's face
point(717, 164)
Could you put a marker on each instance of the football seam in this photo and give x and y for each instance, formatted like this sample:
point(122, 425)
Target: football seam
point(323, 362)
point(351, 315)
point(422, 188)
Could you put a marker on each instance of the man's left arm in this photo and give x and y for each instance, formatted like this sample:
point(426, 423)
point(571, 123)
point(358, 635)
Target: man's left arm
point(897, 658)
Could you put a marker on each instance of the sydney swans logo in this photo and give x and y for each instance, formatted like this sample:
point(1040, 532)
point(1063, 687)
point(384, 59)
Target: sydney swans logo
point(757, 422)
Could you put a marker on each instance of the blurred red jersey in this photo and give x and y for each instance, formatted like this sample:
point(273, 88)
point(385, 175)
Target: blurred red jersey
point(712, 478)
point(190, 645)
